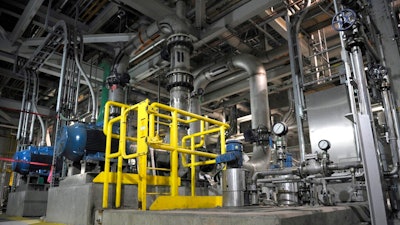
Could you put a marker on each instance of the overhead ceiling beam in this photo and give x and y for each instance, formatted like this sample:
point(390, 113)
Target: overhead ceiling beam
point(13, 105)
point(53, 66)
point(151, 88)
point(234, 18)
point(90, 38)
point(9, 126)
point(29, 12)
point(5, 116)
point(152, 8)
point(109, 11)
point(54, 16)
point(279, 25)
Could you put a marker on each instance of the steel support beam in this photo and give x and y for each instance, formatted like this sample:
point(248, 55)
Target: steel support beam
point(5, 116)
point(52, 66)
point(29, 12)
point(91, 38)
point(234, 18)
point(16, 106)
point(110, 10)
point(152, 8)
point(373, 174)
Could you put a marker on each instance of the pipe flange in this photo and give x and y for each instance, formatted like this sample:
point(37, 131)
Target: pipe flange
point(354, 41)
point(180, 39)
point(179, 78)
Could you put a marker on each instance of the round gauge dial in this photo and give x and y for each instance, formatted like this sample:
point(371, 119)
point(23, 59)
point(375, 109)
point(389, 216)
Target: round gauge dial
point(279, 128)
point(324, 145)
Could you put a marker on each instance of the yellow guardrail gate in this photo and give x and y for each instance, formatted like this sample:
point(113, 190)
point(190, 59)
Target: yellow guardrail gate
point(150, 117)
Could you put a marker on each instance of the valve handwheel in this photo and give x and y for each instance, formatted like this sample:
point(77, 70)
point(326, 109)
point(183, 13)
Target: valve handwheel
point(344, 20)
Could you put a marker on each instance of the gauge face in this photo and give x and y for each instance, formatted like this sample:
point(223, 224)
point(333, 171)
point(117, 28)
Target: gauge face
point(324, 145)
point(279, 128)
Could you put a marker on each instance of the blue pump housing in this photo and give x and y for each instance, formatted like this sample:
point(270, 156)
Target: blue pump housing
point(34, 159)
point(233, 156)
point(71, 141)
point(83, 141)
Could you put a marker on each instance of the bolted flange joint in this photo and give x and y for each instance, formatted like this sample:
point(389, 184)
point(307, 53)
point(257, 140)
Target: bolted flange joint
point(180, 78)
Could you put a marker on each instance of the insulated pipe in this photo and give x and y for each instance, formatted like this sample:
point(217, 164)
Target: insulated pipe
point(94, 102)
point(258, 98)
point(284, 171)
point(63, 63)
point(34, 92)
point(313, 170)
point(259, 105)
point(22, 114)
point(171, 24)
point(35, 110)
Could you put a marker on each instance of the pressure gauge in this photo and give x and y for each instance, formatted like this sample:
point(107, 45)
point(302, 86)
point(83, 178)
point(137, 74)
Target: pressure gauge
point(280, 128)
point(324, 145)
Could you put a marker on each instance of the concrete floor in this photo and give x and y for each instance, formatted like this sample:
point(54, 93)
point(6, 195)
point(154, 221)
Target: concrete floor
point(8, 220)
point(334, 215)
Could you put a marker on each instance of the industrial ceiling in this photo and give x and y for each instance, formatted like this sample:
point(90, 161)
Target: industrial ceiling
point(222, 29)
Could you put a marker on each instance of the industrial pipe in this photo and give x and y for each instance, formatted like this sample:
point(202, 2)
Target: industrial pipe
point(258, 97)
point(259, 105)
point(35, 110)
point(94, 102)
point(310, 169)
point(62, 24)
point(23, 102)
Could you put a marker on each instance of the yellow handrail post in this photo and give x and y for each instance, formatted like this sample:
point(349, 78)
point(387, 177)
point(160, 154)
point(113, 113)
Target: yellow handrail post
point(142, 149)
point(174, 154)
point(223, 144)
point(193, 167)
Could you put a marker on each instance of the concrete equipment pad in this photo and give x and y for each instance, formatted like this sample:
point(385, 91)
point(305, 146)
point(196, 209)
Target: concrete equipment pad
point(304, 215)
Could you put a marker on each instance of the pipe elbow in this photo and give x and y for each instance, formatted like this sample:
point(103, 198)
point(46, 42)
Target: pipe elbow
point(251, 64)
point(173, 24)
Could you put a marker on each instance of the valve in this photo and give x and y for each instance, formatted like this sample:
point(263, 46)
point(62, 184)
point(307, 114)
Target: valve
point(344, 20)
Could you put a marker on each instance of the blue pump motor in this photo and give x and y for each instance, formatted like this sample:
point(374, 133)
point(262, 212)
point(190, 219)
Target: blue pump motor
point(79, 139)
point(33, 159)
point(233, 156)
point(71, 141)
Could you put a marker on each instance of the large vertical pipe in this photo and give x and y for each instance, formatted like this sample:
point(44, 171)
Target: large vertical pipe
point(116, 91)
point(104, 91)
point(297, 92)
point(259, 105)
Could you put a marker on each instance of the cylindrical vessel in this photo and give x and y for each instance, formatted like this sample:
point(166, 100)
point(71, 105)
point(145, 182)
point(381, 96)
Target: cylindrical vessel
point(234, 186)
point(288, 192)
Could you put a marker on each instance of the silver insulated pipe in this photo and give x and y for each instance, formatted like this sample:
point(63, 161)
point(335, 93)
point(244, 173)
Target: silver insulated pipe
point(258, 98)
point(259, 105)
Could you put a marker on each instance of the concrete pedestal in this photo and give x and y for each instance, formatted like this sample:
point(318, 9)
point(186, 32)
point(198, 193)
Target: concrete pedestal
point(77, 199)
point(342, 215)
point(29, 203)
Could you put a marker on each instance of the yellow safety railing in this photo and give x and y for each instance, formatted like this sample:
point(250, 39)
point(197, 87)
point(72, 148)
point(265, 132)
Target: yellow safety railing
point(149, 118)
